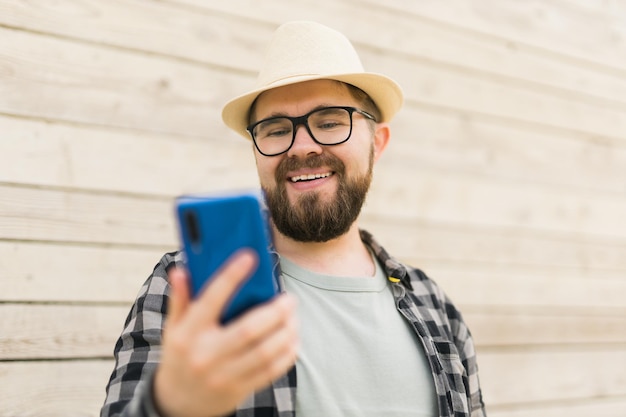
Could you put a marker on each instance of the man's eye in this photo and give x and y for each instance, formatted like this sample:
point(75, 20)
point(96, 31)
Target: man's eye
point(277, 133)
point(329, 124)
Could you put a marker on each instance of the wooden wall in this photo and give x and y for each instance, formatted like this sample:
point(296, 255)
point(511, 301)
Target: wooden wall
point(505, 179)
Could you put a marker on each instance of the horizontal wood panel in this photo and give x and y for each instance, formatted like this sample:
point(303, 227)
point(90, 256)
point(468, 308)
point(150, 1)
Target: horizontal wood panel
point(453, 200)
point(226, 40)
point(35, 331)
point(47, 214)
point(59, 331)
point(34, 271)
point(63, 155)
point(524, 290)
point(540, 376)
point(605, 407)
point(530, 328)
point(53, 389)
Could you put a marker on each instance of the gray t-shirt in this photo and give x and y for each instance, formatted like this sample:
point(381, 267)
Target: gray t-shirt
point(359, 356)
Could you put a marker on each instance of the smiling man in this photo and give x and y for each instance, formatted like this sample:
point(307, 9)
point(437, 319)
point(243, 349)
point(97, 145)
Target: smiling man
point(376, 337)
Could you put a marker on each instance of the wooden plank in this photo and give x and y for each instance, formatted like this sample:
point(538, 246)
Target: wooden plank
point(496, 329)
point(44, 77)
point(57, 331)
point(52, 389)
point(32, 271)
point(32, 331)
point(444, 199)
point(164, 26)
point(58, 215)
point(69, 156)
point(605, 407)
point(518, 291)
point(511, 378)
point(481, 248)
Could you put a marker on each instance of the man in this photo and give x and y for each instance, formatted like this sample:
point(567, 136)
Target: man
point(376, 338)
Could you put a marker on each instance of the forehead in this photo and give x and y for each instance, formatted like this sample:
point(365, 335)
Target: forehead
point(297, 99)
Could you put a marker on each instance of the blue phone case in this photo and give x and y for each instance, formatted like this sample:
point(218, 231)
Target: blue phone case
point(212, 228)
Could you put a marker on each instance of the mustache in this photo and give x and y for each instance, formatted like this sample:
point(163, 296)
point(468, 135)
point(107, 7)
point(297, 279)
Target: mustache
point(313, 161)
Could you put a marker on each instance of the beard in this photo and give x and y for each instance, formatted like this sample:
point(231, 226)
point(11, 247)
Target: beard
point(310, 219)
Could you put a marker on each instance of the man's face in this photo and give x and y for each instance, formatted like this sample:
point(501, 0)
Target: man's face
point(326, 205)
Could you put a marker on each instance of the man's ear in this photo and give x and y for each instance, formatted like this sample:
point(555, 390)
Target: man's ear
point(381, 139)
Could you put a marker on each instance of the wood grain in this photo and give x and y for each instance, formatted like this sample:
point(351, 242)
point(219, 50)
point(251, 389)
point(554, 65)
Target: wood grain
point(40, 272)
point(33, 331)
point(63, 155)
point(53, 388)
point(557, 375)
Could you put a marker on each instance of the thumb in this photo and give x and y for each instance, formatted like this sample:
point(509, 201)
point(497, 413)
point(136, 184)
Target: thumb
point(179, 294)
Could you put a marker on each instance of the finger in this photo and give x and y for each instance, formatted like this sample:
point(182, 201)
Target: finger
point(179, 294)
point(208, 307)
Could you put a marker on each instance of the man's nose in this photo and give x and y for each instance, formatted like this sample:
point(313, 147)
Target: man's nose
point(303, 143)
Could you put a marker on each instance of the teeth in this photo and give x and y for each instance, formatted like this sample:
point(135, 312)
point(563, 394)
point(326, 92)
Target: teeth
point(309, 177)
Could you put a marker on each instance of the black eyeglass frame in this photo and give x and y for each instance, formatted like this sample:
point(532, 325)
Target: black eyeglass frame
point(304, 120)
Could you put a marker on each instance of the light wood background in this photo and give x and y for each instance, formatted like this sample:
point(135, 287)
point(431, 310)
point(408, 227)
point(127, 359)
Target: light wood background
point(505, 179)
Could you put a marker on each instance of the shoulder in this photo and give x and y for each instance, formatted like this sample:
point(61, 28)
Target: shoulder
point(155, 290)
point(425, 294)
point(157, 281)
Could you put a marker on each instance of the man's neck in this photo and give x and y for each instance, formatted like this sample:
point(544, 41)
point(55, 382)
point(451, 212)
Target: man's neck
point(346, 255)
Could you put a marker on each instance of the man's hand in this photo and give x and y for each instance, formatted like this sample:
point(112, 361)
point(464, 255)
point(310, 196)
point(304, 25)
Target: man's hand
point(207, 368)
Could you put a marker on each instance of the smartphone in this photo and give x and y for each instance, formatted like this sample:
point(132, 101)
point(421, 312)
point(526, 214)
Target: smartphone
point(212, 228)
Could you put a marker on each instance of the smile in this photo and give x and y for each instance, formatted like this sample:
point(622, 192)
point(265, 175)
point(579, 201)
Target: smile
point(309, 177)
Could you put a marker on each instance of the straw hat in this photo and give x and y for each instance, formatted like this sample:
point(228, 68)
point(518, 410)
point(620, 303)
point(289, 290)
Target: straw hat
point(302, 51)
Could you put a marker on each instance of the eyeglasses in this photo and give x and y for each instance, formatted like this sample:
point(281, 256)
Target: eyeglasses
point(327, 126)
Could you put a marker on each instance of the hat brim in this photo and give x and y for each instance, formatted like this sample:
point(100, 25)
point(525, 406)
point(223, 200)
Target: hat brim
point(385, 92)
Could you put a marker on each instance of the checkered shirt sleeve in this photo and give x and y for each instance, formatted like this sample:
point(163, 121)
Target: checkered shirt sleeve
point(138, 349)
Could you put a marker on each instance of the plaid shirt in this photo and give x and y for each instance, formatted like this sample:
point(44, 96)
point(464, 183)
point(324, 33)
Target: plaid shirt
point(438, 324)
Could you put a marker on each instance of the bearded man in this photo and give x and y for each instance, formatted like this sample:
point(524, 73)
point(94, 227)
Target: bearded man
point(375, 337)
